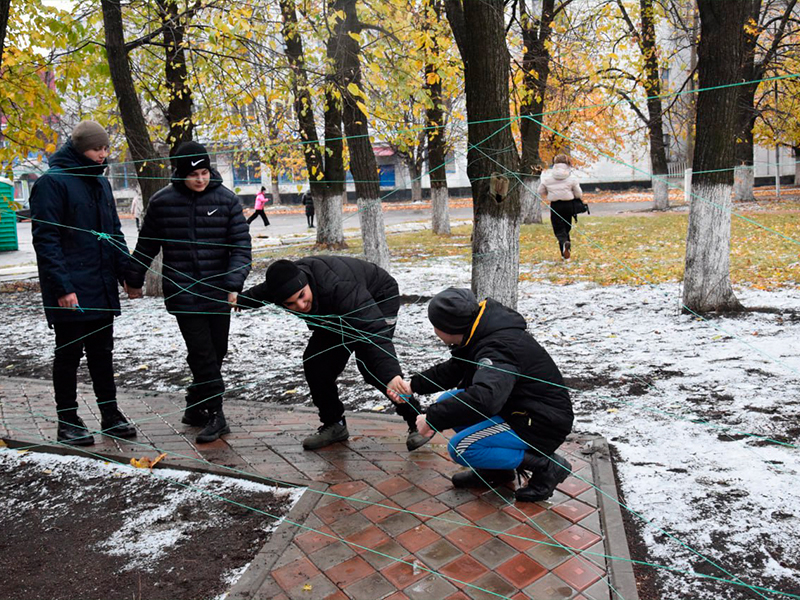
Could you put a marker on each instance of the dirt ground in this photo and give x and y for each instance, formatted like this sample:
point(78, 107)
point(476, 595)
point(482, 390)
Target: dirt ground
point(60, 535)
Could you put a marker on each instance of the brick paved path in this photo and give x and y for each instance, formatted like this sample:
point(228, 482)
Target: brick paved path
point(519, 557)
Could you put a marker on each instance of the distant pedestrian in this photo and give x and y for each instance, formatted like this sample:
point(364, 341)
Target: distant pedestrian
point(261, 202)
point(198, 224)
point(308, 202)
point(559, 187)
point(136, 210)
point(79, 275)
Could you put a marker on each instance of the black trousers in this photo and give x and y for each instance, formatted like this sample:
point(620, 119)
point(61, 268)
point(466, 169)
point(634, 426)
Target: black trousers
point(206, 338)
point(259, 212)
point(96, 337)
point(561, 220)
point(326, 357)
point(310, 219)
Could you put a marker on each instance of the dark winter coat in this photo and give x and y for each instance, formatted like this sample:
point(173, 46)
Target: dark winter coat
point(308, 202)
point(68, 204)
point(352, 299)
point(206, 244)
point(503, 371)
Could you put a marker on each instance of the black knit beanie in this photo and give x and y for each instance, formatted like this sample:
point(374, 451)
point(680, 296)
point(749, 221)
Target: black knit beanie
point(191, 156)
point(89, 135)
point(454, 310)
point(284, 280)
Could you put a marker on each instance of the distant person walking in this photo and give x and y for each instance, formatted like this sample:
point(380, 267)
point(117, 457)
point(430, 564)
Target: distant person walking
point(308, 202)
point(261, 202)
point(559, 187)
point(79, 274)
point(136, 210)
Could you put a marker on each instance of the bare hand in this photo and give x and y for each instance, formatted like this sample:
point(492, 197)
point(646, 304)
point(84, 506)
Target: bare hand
point(397, 388)
point(423, 427)
point(69, 301)
point(133, 293)
point(232, 296)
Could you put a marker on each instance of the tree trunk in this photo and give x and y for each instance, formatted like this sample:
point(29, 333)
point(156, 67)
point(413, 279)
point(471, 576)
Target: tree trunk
point(179, 109)
point(744, 171)
point(5, 8)
point(707, 283)
point(274, 184)
point(416, 180)
point(655, 123)
point(530, 202)
point(435, 128)
point(536, 66)
point(326, 178)
point(495, 237)
point(153, 280)
point(796, 165)
point(363, 164)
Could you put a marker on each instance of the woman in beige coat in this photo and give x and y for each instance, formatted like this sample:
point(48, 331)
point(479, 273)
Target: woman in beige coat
point(559, 187)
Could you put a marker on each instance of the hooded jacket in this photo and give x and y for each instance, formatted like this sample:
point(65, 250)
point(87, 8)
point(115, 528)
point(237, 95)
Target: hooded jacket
point(206, 244)
point(354, 301)
point(502, 371)
point(560, 184)
point(68, 203)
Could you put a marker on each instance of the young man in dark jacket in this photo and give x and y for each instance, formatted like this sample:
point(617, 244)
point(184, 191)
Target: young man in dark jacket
point(510, 408)
point(199, 226)
point(79, 274)
point(350, 305)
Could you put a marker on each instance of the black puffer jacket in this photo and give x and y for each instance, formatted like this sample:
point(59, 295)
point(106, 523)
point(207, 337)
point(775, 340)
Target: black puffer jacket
point(68, 203)
point(503, 371)
point(206, 244)
point(352, 299)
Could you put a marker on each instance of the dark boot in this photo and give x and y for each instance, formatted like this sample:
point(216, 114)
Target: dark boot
point(214, 429)
point(482, 478)
point(544, 473)
point(326, 435)
point(72, 431)
point(195, 416)
point(113, 422)
point(410, 410)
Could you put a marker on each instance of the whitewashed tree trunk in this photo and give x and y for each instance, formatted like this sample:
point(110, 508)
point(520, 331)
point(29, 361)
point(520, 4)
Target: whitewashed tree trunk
point(373, 231)
point(495, 257)
point(153, 281)
point(330, 222)
point(660, 193)
point(416, 182)
point(276, 192)
point(440, 210)
point(531, 203)
point(706, 280)
point(743, 182)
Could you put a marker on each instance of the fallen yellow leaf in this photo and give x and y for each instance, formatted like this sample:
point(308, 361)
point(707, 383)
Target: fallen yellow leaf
point(146, 462)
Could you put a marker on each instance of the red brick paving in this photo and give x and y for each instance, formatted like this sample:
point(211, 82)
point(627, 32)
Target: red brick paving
point(371, 465)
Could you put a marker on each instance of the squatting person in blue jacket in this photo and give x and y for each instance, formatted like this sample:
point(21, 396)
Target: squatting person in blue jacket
point(79, 274)
point(199, 226)
point(507, 401)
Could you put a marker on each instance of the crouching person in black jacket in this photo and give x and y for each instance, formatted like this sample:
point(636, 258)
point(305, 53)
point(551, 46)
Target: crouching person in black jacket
point(199, 226)
point(350, 305)
point(509, 407)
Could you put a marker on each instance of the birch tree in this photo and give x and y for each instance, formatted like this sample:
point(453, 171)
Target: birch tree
point(707, 283)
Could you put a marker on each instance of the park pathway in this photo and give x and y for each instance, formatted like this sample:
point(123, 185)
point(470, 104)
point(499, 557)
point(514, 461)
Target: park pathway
point(382, 523)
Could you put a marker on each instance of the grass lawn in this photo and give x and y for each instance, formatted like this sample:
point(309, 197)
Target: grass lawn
point(628, 250)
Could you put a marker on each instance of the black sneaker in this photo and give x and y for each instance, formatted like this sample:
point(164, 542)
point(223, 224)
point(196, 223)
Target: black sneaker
point(542, 482)
point(196, 417)
point(415, 439)
point(74, 433)
point(482, 478)
point(214, 429)
point(327, 435)
point(112, 422)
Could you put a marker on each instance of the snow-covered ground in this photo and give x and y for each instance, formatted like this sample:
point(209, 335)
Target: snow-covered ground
point(703, 415)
